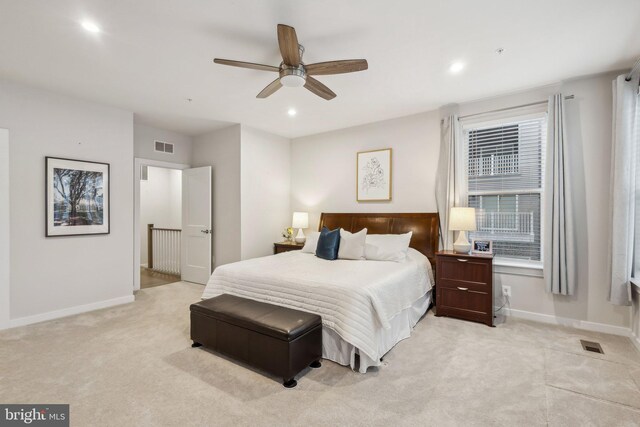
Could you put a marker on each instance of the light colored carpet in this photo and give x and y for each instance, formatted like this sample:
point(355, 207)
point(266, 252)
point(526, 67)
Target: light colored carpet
point(133, 365)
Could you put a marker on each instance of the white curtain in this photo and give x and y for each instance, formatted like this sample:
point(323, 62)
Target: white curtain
point(624, 183)
point(449, 177)
point(559, 238)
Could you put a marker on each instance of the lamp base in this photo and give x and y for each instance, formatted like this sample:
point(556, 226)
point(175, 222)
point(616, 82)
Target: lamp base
point(462, 245)
point(300, 237)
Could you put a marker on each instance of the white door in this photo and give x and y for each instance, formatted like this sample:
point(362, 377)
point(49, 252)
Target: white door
point(195, 260)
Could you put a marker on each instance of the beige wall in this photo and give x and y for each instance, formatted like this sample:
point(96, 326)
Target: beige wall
point(144, 138)
point(250, 190)
point(5, 226)
point(57, 274)
point(221, 150)
point(323, 167)
point(160, 203)
point(265, 172)
point(323, 179)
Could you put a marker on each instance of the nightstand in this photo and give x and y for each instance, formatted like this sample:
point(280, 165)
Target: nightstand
point(280, 247)
point(464, 286)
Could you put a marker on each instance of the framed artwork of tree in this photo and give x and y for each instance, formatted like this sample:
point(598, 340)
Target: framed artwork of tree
point(77, 197)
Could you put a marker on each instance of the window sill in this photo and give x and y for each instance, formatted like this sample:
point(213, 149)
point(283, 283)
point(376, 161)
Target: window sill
point(518, 268)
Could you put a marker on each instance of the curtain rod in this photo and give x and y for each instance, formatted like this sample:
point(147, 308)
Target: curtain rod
point(635, 68)
point(511, 108)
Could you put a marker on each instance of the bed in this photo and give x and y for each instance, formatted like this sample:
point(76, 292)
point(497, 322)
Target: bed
point(367, 307)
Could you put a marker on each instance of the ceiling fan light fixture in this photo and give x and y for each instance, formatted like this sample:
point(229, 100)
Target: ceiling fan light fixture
point(292, 80)
point(295, 73)
point(291, 76)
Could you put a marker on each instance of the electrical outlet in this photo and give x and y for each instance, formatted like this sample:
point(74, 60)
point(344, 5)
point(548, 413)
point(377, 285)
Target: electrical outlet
point(506, 291)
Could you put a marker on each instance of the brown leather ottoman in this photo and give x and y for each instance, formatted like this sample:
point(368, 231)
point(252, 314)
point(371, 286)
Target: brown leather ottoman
point(278, 340)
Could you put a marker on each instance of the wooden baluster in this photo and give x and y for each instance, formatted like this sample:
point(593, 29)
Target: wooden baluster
point(150, 246)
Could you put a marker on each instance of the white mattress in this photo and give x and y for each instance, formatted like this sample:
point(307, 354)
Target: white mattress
point(356, 299)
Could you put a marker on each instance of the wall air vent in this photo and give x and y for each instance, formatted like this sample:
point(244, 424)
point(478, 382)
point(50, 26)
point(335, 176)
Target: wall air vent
point(591, 346)
point(163, 147)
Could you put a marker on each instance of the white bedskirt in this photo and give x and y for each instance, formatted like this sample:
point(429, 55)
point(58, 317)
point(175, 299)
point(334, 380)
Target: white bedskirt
point(338, 350)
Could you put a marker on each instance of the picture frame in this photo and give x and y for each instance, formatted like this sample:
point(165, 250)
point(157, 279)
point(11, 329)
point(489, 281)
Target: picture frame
point(374, 176)
point(481, 246)
point(77, 197)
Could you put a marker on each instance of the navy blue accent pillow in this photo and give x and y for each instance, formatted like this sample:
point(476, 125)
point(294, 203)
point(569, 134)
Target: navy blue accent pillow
point(328, 244)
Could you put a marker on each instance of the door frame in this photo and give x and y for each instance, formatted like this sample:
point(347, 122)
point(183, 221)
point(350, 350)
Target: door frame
point(5, 285)
point(137, 166)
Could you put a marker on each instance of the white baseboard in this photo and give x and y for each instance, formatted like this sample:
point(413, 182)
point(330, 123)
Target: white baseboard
point(36, 318)
point(565, 321)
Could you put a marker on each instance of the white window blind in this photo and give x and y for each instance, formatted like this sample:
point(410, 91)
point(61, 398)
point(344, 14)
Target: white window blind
point(505, 166)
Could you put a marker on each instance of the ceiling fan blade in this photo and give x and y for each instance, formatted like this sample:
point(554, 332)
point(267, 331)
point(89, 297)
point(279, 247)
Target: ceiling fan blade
point(250, 65)
point(288, 42)
point(319, 89)
point(337, 67)
point(270, 89)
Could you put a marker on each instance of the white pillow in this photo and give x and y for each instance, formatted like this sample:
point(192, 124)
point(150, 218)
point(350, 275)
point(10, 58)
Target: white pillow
point(311, 243)
point(352, 244)
point(387, 247)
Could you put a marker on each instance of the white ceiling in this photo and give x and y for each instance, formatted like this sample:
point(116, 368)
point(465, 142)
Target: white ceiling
point(152, 55)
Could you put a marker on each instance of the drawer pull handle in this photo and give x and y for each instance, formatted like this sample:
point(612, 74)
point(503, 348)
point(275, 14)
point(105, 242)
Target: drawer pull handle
point(463, 289)
point(462, 260)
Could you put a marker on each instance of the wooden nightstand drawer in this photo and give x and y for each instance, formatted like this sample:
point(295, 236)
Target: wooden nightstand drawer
point(456, 284)
point(280, 247)
point(464, 303)
point(464, 268)
point(464, 286)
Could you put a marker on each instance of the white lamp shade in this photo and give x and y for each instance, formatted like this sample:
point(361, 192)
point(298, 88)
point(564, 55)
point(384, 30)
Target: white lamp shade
point(300, 220)
point(462, 219)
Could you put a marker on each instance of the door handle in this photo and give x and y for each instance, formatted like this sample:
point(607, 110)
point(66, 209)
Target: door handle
point(205, 231)
point(463, 289)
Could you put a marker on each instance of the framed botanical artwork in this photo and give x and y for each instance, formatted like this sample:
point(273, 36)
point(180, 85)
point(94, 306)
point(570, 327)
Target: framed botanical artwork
point(77, 197)
point(373, 176)
point(481, 247)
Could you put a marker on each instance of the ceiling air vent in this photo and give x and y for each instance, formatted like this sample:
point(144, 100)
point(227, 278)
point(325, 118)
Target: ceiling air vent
point(163, 147)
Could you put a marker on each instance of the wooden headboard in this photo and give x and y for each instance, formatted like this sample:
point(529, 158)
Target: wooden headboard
point(424, 227)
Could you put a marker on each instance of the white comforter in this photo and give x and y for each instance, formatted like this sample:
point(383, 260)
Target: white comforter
point(354, 298)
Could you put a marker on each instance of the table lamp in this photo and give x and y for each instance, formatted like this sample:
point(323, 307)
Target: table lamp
point(300, 221)
point(462, 220)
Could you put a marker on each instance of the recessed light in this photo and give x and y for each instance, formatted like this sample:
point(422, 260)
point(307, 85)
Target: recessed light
point(90, 26)
point(292, 112)
point(456, 67)
point(500, 50)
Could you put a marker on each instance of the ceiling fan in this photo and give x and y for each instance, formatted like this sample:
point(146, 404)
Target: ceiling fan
point(295, 73)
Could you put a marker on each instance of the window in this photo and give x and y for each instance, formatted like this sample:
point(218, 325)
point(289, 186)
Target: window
point(505, 164)
point(487, 158)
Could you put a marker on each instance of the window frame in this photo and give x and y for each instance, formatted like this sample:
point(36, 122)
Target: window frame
point(533, 268)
